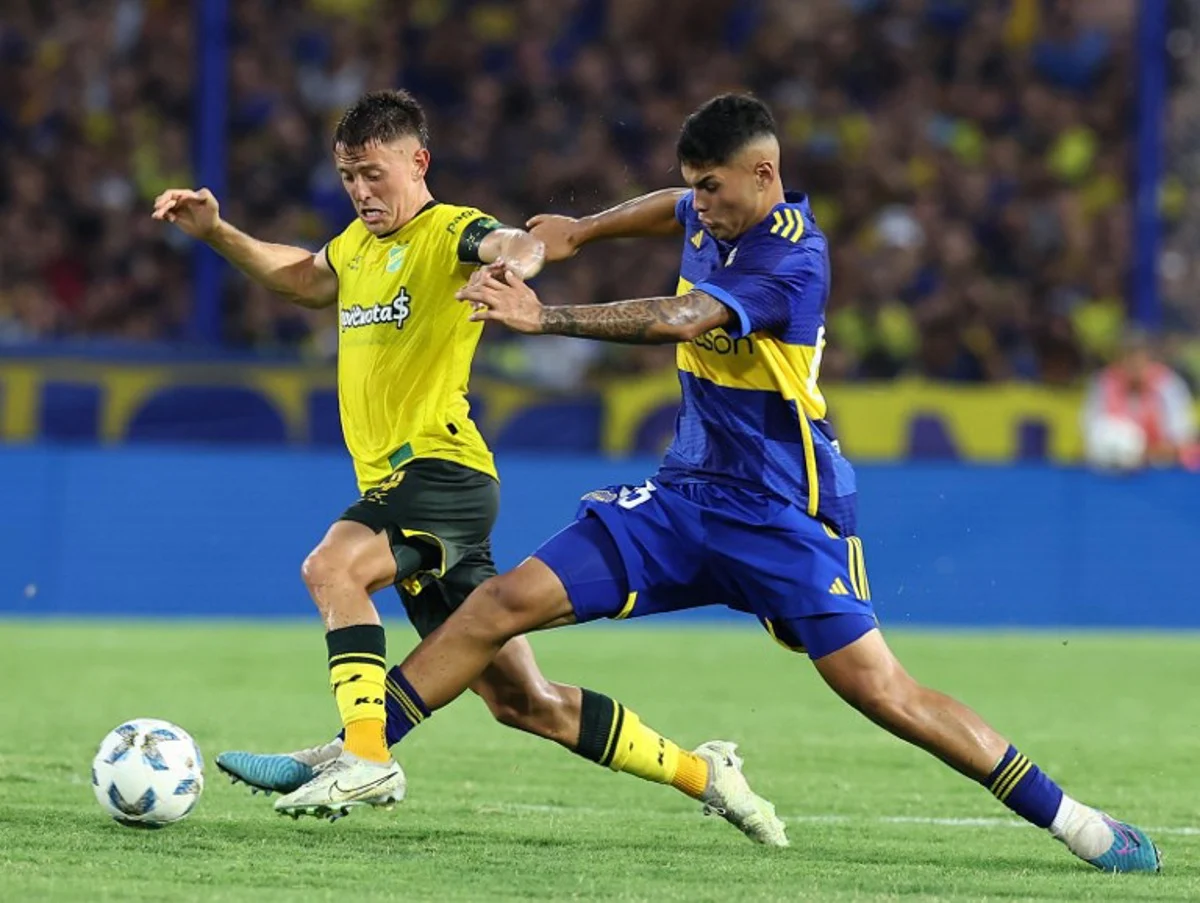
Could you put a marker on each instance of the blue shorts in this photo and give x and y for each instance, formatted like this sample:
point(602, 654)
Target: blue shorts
point(650, 549)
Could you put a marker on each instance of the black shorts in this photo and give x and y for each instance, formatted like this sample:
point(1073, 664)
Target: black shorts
point(446, 511)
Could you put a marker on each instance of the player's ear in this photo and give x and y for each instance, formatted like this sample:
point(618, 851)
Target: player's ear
point(420, 163)
point(764, 174)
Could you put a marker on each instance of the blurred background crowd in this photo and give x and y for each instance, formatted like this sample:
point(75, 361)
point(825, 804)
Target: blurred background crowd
point(971, 162)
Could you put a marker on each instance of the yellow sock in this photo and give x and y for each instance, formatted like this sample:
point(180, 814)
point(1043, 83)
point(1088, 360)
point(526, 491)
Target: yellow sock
point(358, 689)
point(356, 674)
point(642, 751)
point(612, 735)
point(366, 738)
point(692, 774)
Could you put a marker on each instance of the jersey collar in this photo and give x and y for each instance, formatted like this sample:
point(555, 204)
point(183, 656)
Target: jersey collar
point(789, 197)
point(429, 205)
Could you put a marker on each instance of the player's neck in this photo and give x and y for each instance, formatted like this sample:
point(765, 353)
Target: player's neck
point(410, 210)
point(772, 198)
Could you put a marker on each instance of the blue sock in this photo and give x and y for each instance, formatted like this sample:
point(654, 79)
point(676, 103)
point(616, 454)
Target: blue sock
point(399, 721)
point(1021, 786)
point(405, 708)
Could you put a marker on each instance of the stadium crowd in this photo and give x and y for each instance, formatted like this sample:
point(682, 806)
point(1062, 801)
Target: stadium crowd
point(969, 160)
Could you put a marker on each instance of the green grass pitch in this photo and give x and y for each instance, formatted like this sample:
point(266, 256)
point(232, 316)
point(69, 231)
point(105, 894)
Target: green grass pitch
point(495, 815)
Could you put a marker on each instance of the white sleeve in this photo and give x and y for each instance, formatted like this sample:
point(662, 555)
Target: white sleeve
point(1180, 411)
point(1093, 407)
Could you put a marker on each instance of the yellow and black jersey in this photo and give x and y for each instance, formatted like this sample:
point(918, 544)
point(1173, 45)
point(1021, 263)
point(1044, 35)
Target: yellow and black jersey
point(405, 344)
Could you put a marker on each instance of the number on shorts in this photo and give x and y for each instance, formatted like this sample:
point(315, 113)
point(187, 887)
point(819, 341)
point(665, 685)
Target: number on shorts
point(815, 370)
point(631, 498)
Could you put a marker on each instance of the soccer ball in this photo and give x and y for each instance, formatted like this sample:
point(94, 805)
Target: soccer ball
point(1116, 443)
point(148, 773)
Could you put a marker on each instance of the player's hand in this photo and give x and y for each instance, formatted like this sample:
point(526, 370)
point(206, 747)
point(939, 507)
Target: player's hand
point(195, 212)
point(562, 235)
point(497, 293)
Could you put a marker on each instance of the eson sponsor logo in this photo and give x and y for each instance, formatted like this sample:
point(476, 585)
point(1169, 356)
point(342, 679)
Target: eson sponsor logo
point(395, 312)
point(721, 343)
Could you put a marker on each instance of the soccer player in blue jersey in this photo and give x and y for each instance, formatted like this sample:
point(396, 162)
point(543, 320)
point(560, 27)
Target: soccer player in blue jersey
point(754, 505)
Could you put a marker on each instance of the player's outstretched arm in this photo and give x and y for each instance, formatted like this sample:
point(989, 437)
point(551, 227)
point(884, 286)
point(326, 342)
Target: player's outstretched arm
point(299, 275)
point(499, 294)
point(649, 215)
point(516, 248)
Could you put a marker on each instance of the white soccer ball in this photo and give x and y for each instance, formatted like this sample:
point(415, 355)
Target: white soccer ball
point(1116, 443)
point(148, 773)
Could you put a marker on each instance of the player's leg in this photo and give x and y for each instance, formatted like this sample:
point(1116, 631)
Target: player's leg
point(517, 694)
point(285, 772)
point(584, 557)
point(809, 586)
point(520, 696)
point(501, 609)
point(373, 546)
point(351, 562)
point(587, 723)
point(827, 611)
point(515, 691)
point(867, 675)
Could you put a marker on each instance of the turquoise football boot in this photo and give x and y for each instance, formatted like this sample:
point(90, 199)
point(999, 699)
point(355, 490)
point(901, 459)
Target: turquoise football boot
point(1131, 850)
point(278, 772)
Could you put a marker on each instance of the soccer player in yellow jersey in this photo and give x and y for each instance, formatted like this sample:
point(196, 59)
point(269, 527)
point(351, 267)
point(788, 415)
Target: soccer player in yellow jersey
point(428, 482)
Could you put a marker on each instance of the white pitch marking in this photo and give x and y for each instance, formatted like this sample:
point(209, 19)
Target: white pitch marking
point(833, 819)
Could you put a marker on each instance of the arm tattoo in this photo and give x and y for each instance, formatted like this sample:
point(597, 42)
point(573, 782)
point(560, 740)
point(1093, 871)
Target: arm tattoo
point(649, 321)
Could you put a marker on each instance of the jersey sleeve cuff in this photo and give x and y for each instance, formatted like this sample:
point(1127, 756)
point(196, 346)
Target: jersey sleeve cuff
point(729, 301)
point(681, 206)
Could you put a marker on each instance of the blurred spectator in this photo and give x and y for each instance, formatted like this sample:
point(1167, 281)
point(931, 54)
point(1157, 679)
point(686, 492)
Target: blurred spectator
point(1139, 412)
point(969, 160)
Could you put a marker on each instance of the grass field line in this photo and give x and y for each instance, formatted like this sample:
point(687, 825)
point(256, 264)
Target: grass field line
point(831, 819)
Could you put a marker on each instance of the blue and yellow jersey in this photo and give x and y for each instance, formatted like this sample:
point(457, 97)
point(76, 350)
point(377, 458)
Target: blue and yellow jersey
point(752, 413)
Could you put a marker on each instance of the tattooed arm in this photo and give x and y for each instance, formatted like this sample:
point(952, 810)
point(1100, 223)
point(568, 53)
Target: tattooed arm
point(502, 296)
point(648, 321)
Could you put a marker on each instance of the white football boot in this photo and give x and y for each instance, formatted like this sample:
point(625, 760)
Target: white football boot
point(343, 784)
point(729, 796)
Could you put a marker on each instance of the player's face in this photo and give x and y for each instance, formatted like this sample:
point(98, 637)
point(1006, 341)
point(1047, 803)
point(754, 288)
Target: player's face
point(1137, 363)
point(727, 198)
point(385, 181)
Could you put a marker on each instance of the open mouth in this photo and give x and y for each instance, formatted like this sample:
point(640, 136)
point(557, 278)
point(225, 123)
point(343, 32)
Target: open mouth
point(371, 215)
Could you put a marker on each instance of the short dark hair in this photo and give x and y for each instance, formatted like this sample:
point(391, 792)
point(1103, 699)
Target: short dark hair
point(722, 127)
point(380, 117)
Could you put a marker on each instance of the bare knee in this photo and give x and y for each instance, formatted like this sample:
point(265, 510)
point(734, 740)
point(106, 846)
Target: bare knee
point(363, 565)
point(890, 699)
point(503, 606)
point(333, 573)
point(323, 567)
point(870, 678)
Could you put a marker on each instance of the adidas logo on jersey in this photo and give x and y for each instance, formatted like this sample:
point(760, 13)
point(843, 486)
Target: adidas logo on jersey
point(838, 588)
point(395, 311)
